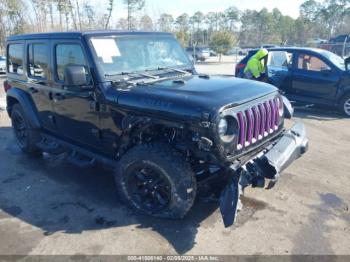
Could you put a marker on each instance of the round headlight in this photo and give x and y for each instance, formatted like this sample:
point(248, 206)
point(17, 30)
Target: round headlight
point(227, 129)
point(222, 127)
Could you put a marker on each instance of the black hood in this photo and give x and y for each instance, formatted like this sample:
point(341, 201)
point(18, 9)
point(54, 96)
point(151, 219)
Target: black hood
point(193, 97)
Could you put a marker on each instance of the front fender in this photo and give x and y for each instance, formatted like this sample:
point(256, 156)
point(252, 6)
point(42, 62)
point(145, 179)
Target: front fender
point(27, 104)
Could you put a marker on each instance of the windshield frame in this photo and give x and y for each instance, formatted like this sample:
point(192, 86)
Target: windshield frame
point(105, 77)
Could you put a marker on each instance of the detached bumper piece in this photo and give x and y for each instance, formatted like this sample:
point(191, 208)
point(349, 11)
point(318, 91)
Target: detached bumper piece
point(292, 145)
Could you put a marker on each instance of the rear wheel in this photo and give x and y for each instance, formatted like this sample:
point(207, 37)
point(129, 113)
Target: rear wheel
point(344, 105)
point(26, 137)
point(156, 180)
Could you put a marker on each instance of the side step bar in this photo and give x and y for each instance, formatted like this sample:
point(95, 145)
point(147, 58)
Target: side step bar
point(81, 160)
point(76, 155)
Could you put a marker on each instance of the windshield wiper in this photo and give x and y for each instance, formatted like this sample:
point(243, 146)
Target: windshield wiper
point(132, 73)
point(129, 78)
point(173, 69)
point(168, 68)
point(151, 78)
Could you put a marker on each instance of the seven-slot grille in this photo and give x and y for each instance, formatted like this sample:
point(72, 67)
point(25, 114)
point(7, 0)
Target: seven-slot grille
point(257, 122)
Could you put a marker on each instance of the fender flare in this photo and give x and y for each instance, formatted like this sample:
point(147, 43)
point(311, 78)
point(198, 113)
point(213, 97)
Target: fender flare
point(27, 104)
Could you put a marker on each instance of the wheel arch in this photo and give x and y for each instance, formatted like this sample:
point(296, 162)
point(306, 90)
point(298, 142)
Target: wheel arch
point(342, 96)
point(138, 130)
point(18, 96)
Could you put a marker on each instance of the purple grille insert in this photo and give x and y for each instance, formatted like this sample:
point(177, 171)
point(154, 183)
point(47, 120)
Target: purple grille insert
point(257, 122)
point(268, 117)
point(262, 120)
point(241, 123)
point(250, 127)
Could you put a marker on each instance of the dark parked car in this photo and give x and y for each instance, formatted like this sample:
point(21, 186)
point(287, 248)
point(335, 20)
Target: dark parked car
point(133, 101)
point(198, 53)
point(340, 39)
point(308, 75)
point(2, 65)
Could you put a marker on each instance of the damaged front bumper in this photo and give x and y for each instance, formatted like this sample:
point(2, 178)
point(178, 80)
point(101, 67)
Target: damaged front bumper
point(266, 165)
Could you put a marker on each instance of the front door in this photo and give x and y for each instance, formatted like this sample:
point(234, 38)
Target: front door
point(314, 80)
point(76, 116)
point(279, 67)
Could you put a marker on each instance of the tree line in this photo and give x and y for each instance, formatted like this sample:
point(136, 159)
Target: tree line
point(246, 28)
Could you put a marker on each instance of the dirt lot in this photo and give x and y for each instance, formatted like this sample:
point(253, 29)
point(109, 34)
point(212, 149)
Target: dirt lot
point(48, 206)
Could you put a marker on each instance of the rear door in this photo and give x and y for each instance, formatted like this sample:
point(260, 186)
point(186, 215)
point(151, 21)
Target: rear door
point(279, 68)
point(38, 60)
point(76, 116)
point(314, 79)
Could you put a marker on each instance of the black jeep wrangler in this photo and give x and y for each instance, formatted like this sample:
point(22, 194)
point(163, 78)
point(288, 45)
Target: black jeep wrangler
point(133, 100)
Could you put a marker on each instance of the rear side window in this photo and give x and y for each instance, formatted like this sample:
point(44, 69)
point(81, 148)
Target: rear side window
point(15, 59)
point(311, 63)
point(38, 60)
point(68, 54)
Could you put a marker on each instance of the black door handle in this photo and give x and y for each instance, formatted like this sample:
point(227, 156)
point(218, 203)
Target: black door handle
point(33, 90)
point(58, 97)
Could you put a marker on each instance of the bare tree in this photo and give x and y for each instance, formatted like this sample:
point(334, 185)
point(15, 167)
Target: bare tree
point(109, 9)
point(122, 24)
point(165, 22)
point(90, 14)
point(51, 7)
point(70, 9)
point(78, 12)
point(146, 23)
point(132, 6)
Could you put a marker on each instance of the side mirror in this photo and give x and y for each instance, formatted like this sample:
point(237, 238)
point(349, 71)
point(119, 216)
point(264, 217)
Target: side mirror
point(75, 75)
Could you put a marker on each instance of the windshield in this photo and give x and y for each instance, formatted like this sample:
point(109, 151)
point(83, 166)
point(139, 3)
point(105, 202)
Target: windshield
point(2, 58)
point(335, 59)
point(124, 54)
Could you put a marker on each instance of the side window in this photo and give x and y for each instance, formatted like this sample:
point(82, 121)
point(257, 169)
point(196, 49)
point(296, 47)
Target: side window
point(68, 54)
point(311, 63)
point(38, 60)
point(15, 59)
point(280, 59)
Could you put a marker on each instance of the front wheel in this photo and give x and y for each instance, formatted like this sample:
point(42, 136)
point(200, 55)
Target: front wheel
point(156, 180)
point(344, 105)
point(26, 137)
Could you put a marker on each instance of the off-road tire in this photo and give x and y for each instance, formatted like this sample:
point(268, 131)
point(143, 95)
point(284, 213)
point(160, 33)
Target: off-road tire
point(172, 165)
point(28, 143)
point(343, 102)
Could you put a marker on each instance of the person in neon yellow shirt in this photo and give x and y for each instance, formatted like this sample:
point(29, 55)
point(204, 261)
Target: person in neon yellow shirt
point(256, 69)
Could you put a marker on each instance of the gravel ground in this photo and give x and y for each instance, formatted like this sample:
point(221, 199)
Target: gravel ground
point(48, 206)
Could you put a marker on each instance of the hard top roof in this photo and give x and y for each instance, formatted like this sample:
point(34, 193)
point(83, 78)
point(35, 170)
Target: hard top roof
point(79, 34)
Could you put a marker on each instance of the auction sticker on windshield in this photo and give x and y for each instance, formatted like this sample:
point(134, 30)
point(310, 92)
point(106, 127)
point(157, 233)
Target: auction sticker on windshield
point(106, 48)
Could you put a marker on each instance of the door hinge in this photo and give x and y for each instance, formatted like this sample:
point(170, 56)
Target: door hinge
point(94, 105)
